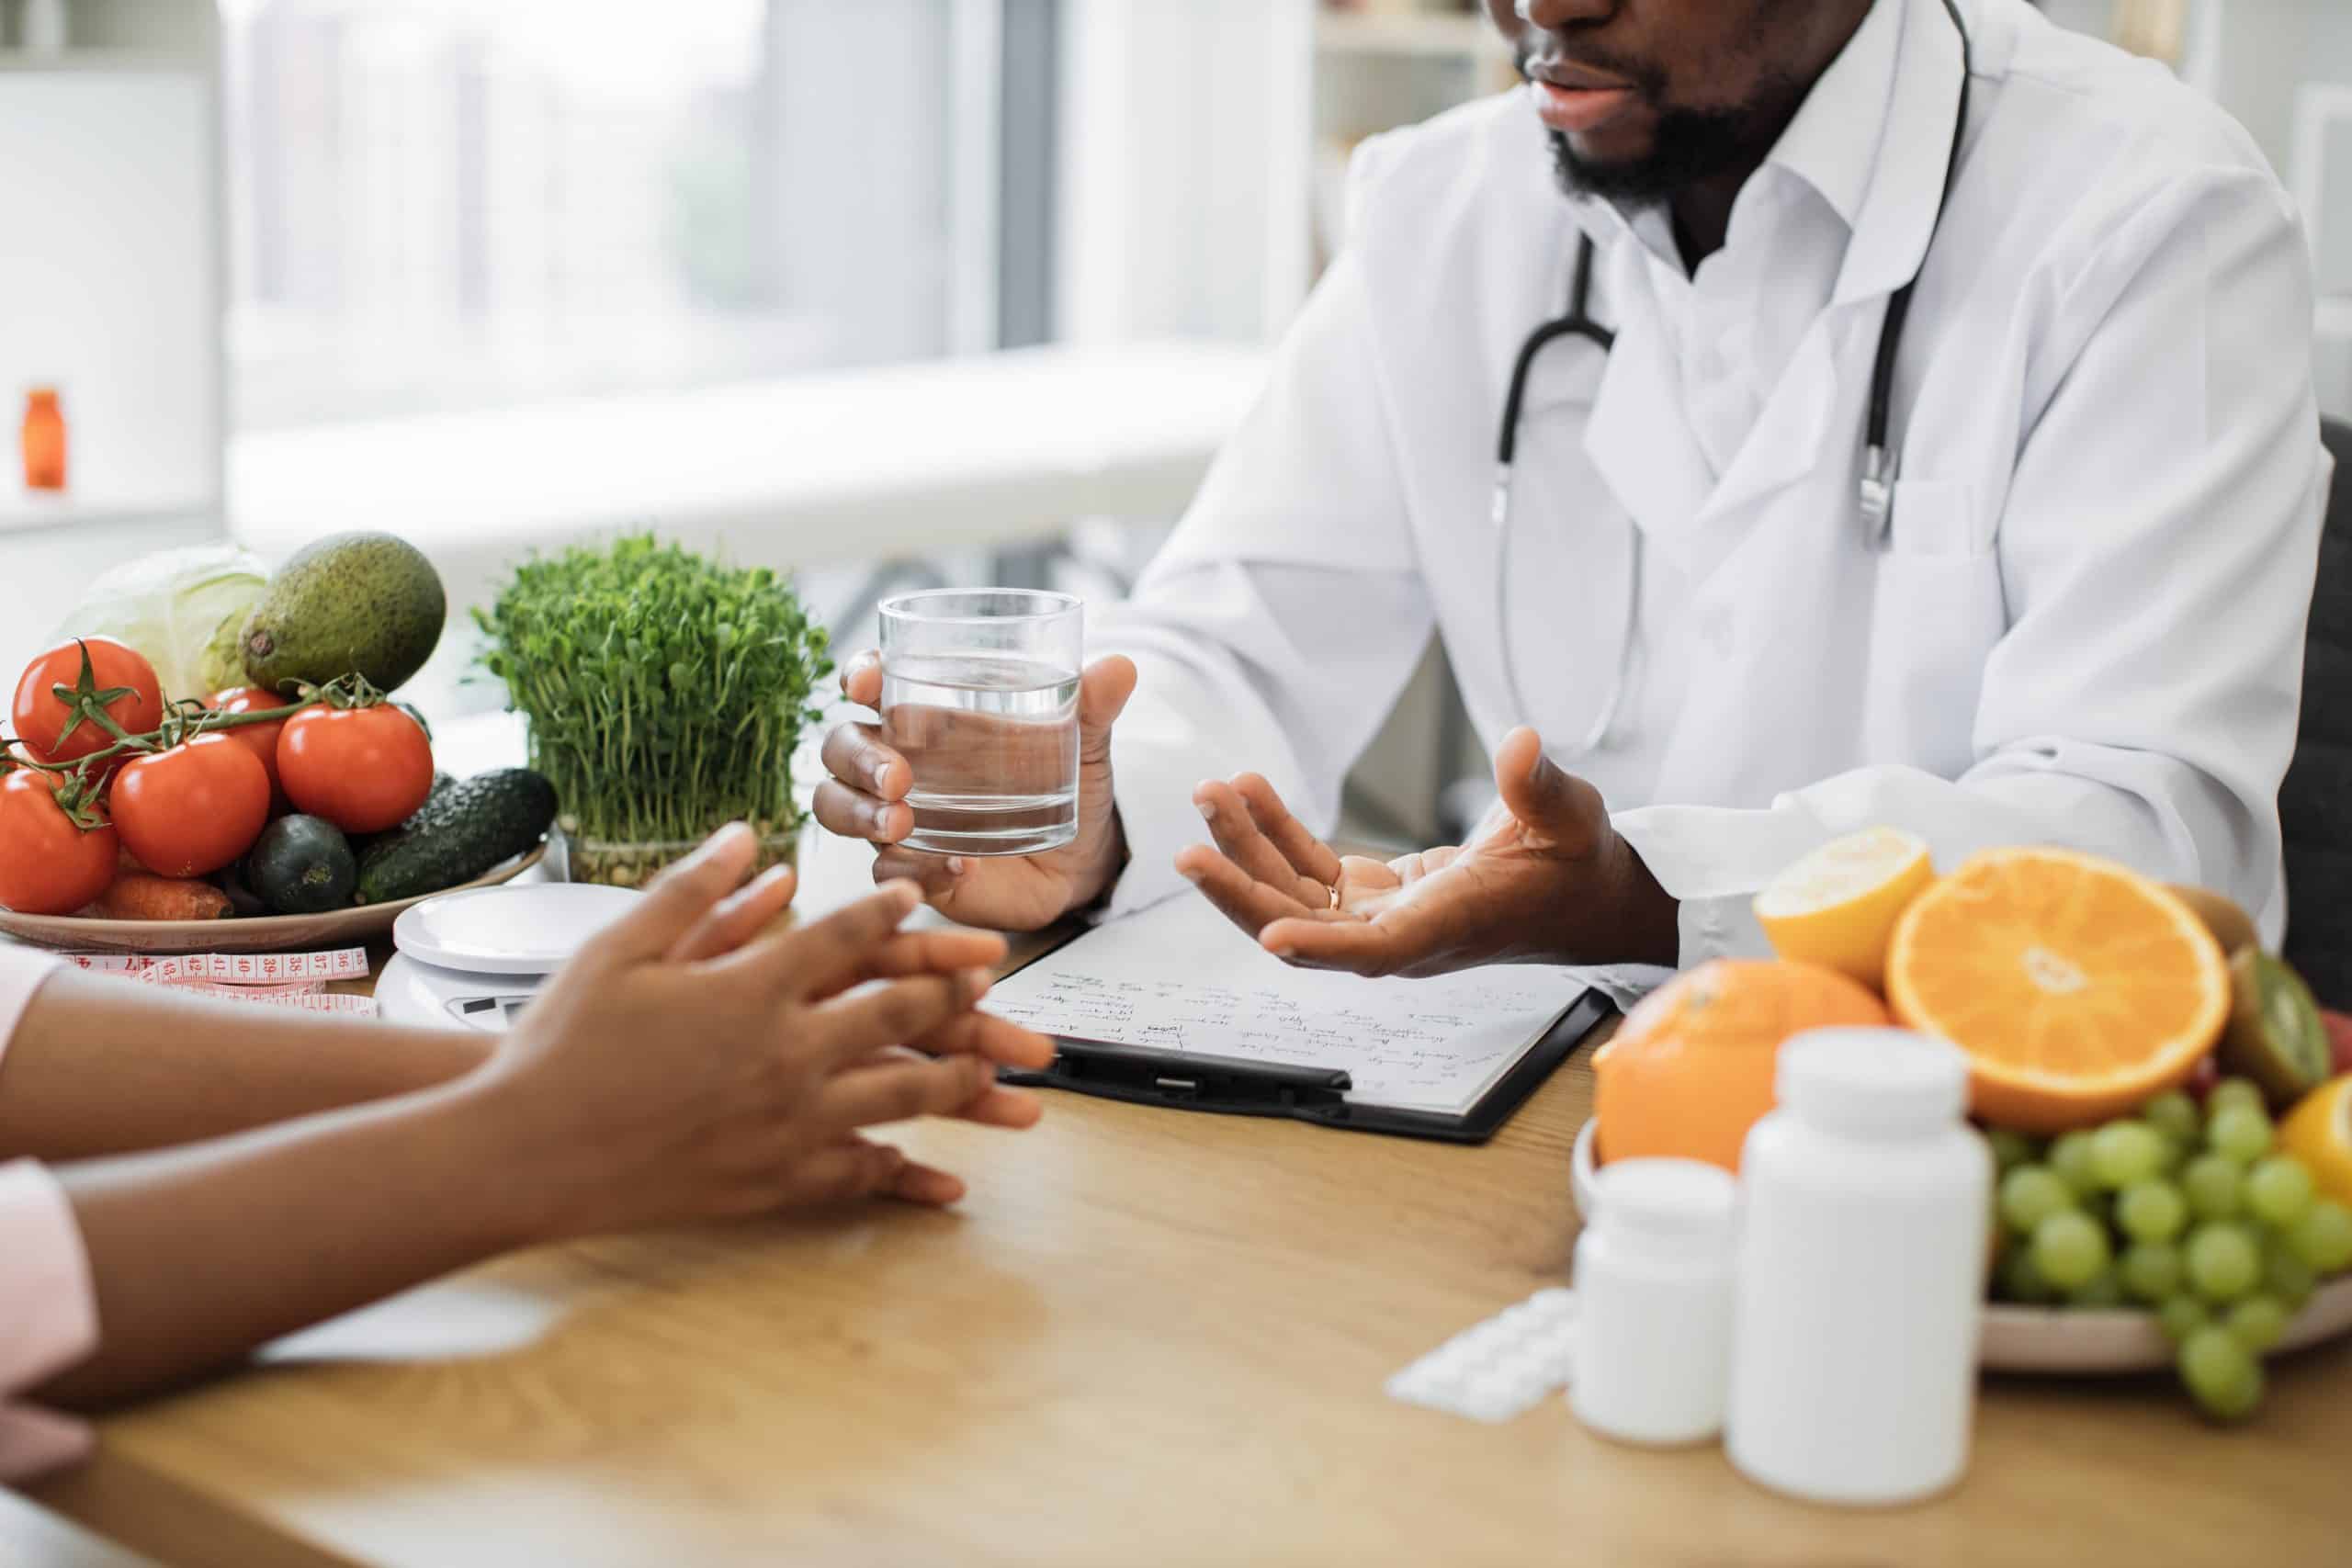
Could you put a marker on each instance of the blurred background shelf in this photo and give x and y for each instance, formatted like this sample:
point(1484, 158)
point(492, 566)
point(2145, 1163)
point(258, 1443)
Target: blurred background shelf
point(78, 61)
point(28, 511)
point(1418, 35)
point(113, 282)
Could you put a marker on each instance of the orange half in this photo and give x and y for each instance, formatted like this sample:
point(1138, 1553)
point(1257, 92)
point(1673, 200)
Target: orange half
point(2078, 986)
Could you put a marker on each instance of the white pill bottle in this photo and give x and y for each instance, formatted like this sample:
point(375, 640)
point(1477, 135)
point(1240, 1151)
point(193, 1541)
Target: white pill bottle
point(1653, 1273)
point(1859, 1285)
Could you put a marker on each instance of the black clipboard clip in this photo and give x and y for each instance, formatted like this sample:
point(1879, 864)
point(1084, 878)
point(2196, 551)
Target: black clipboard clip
point(1205, 1083)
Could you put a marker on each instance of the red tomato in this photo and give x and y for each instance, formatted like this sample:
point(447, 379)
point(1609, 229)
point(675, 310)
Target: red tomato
point(261, 739)
point(365, 769)
point(48, 865)
point(192, 809)
point(42, 721)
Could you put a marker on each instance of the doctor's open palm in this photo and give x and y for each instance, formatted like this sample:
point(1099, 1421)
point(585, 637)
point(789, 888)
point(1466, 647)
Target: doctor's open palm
point(1544, 879)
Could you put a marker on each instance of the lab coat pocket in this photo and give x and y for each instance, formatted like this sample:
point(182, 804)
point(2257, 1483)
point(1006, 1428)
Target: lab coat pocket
point(1934, 616)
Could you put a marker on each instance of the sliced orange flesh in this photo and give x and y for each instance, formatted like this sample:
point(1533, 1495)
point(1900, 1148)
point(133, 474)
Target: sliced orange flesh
point(2078, 986)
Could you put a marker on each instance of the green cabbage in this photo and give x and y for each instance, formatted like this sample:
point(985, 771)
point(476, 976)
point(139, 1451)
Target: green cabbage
point(184, 609)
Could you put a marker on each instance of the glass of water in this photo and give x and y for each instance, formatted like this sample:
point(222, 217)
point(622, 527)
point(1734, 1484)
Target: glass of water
point(979, 693)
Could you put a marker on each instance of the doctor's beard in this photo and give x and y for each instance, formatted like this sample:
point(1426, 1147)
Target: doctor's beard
point(1690, 144)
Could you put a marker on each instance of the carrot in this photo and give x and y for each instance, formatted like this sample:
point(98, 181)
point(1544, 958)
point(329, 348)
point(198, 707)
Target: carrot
point(142, 896)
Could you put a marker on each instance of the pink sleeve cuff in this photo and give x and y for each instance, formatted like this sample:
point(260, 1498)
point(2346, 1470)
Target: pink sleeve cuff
point(48, 1315)
point(22, 970)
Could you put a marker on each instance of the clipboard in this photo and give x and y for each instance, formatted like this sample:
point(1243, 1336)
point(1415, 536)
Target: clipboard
point(1229, 1086)
point(1171, 1006)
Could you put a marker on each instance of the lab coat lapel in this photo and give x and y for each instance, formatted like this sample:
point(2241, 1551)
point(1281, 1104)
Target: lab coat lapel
point(1638, 436)
point(1906, 192)
point(1787, 443)
point(1640, 439)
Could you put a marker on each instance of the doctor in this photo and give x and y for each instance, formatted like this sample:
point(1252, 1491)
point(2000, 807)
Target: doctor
point(2052, 590)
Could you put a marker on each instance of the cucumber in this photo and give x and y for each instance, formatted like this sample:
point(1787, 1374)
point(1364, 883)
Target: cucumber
point(302, 866)
point(457, 835)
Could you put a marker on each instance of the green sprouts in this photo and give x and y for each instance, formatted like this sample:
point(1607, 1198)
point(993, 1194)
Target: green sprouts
point(665, 694)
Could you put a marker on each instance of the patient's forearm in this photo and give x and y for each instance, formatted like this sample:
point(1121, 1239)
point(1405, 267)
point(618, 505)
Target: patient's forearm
point(197, 1254)
point(104, 1066)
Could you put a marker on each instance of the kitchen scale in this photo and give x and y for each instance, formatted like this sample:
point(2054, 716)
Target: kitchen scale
point(477, 959)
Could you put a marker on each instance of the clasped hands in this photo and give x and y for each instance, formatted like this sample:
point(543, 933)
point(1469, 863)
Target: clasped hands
point(1544, 878)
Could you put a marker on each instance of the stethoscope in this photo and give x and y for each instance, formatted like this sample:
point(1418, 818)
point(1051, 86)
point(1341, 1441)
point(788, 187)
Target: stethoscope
point(1879, 457)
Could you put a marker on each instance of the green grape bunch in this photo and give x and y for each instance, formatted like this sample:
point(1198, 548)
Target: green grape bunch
point(2188, 1214)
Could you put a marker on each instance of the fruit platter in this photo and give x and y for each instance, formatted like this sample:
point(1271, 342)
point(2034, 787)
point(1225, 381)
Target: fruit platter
point(231, 771)
point(2167, 1108)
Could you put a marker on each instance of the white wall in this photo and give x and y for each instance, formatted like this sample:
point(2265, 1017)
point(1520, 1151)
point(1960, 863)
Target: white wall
point(862, 115)
point(1186, 132)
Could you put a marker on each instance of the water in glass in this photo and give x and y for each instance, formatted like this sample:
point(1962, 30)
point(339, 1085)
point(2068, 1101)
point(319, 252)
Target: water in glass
point(994, 742)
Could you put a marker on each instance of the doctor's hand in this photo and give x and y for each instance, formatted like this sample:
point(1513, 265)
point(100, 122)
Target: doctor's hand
point(866, 798)
point(1544, 879)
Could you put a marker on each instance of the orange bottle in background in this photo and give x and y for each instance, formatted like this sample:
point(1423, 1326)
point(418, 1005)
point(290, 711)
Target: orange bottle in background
point(45, 440)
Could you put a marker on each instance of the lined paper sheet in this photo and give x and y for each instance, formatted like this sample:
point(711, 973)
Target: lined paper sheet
point(1179, 976)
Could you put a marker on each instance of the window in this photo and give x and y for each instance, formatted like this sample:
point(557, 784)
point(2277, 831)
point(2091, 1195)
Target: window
point(448, 204)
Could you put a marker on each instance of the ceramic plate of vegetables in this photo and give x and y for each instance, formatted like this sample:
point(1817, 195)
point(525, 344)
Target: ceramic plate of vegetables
point(296, 804)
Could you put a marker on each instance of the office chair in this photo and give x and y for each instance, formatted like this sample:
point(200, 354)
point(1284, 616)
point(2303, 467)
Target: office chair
point(2316, 801)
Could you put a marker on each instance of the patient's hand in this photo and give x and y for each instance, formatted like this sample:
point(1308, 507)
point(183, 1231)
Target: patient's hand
point(698, 1059)
point(1544, 879)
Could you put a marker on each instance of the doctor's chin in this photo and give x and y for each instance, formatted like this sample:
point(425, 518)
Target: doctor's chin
point(787, 781)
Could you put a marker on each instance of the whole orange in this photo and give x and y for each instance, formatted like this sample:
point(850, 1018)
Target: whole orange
point(1691, 1070)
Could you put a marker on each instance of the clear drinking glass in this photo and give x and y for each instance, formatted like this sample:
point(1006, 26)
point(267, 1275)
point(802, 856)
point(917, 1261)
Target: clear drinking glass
point(979, 693)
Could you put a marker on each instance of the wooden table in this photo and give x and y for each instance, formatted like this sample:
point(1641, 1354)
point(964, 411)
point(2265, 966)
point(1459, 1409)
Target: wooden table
point(35, 1538)
point(1147, 1336)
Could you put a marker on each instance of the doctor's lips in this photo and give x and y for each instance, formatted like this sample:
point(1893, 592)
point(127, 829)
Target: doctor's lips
point(1576, 99)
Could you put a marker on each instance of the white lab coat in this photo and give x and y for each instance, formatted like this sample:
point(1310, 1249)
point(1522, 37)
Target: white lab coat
point(2085, 626)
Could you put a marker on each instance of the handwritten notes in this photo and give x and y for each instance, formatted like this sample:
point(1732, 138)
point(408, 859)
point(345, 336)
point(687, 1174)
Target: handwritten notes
point(1178, 976)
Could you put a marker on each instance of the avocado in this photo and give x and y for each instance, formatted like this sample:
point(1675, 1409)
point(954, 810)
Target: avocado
point(302, 866)
point(353, 603)
point(458, 835)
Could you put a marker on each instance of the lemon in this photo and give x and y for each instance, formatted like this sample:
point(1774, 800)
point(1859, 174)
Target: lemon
point(1838, 906)
point(2318, 1131)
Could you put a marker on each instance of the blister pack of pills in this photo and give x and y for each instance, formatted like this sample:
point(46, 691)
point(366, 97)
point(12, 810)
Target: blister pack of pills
point(1498, 1369)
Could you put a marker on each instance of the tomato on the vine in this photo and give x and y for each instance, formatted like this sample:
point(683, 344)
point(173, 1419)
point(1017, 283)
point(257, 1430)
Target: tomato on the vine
point(366, 769)
point(192, 809)
point(261, 739)
point(49, 864)
point(122, 684)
